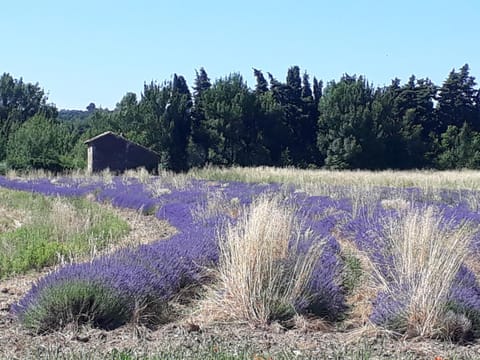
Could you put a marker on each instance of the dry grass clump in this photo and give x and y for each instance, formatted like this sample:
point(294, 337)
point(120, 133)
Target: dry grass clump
point(426, 252)
point(217, 203)
point(398, 203)
point(10, 219)
point(30, 174)
point(260, 273)
point(65, 219)
point(160, 184)
point(107, 176)
point(141, 174)
point(360, 285)
point(157, 187)
point(175, 180)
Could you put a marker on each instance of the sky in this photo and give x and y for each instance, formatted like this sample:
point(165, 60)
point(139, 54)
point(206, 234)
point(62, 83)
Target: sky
point(98, 50)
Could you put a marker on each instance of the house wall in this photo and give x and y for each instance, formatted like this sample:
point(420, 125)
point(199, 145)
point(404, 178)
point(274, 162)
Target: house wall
point(89, 159)
point(117, 154)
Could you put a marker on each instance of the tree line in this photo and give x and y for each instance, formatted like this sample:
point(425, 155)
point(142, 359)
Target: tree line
point(344, 124)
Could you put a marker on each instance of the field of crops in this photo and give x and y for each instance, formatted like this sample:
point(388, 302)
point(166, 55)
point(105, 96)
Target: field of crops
point(395, 256)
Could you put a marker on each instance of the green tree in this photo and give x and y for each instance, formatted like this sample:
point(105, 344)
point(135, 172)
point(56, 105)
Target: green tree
point(261, 86)
point(347, 136)
point(178, 120)
point(298, 120)
point(458, 101)
point(404, 119)
point(200, 139)
point(223, 116)
point(278, 131)
point(154, 101)
point(274, 132)
point(37, 144)
point(317, 90)
point(416, 106)
point(459, 148)
point(126, 120)
point(291, 101)
point(19, 101)
point(91, 107)
point(165, 112)
point(231, 120)
point(308, 125)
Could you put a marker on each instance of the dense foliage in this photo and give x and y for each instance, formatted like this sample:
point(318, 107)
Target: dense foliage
point(348, 124)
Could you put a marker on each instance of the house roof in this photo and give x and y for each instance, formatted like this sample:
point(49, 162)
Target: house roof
point(102, 135)
point(110, 133)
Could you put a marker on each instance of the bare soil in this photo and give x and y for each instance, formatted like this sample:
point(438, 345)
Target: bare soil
point(305, 338)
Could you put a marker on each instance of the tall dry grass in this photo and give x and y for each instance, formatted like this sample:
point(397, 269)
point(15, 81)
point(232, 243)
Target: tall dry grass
point(360, 186)
point(311, 179)
point(426, 251)
point(217, 203)
point(260, 272)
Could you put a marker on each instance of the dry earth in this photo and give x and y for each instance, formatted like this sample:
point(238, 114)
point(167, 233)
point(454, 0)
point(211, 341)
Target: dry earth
point(187, 336)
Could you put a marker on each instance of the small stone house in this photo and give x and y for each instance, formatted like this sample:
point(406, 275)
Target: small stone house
point(114, 152)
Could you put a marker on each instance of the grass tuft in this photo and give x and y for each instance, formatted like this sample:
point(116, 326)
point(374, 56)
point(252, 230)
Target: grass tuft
point(426, 253)
point(261, 274)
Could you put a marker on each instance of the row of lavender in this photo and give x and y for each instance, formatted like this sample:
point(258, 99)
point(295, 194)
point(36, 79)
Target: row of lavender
point(149, 276)
point(155, 273)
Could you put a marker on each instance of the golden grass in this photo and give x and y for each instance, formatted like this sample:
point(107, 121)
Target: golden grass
point(316, 179)
point(11, 219)
point(216, 203)
point(361, 186)
point(259, 276)
point(427, 252)
point(360, 299)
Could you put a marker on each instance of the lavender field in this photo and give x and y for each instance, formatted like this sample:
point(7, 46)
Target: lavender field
point(397, 260)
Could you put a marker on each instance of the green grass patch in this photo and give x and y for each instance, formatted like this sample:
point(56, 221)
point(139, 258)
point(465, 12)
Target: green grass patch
point(352, 272)
point(39, 231)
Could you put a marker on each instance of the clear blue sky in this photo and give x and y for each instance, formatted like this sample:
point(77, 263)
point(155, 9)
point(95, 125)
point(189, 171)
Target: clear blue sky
point(98, 50)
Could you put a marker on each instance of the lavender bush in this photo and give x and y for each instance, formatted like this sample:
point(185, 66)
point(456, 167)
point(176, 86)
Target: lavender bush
point(411, 303)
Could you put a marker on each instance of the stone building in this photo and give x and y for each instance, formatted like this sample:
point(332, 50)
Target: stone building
point(114, 152)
